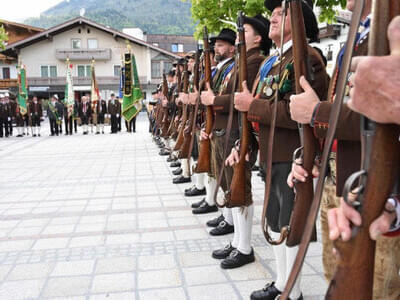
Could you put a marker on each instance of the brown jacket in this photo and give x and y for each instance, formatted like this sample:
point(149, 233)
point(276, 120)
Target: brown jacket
point(286, 132)
point(348, 154)
point(36, 109)
point(115, 108)
point(222, 102)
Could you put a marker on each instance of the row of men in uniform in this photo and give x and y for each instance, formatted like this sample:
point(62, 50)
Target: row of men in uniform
point(89, 115)
point(311, 107)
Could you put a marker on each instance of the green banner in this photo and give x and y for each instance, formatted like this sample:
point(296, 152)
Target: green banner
point(131, 104)
point(22, 91)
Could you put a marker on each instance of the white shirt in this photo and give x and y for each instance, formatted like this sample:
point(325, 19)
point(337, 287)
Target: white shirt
point(219, 66)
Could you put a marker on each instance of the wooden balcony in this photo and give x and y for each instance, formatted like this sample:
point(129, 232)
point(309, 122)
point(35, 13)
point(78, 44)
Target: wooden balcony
point(8, 83)
point(84, 54)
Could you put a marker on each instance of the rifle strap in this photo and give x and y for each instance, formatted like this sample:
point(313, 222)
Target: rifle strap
point(333, 121)
point(227, 133)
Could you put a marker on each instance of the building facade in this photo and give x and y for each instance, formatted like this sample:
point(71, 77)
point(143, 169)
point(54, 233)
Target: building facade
point(81, 40)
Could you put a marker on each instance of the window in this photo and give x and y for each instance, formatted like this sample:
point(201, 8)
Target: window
point(6, 73)
point(155, 44)
point(167, 66)
point(117, 71)
point(155, 69)
point(174, 47)
point(76, 43)
point(84, 71)
point(180, 47)
point(92, 43)
point(48, 71)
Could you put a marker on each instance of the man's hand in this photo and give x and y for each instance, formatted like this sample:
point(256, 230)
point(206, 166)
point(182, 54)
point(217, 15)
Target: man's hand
point(302, 105)
point(244, 99)
point(208, 97)
point(193, 97)
point(340, 220)
point(375, 82)
point(299, 173)
point(233, 158)
point(204, 135)
point(184, 98)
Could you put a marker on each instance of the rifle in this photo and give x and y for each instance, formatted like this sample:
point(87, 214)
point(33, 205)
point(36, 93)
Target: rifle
point(237, 193)
point(165, 121)
point(173, 127)
point(333, 121)
point(186, 134)
point(307, 151)
point(192, 121)
point(380, 165)
point(203, 162)
point(179, 140)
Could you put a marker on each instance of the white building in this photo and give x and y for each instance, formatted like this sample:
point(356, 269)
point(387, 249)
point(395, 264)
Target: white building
point(82, 40)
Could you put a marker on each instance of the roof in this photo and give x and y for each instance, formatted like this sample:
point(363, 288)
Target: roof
point(28, 27)
point(73, 23)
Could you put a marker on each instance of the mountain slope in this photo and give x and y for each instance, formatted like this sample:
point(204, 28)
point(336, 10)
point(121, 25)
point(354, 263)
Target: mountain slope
point(152, 16)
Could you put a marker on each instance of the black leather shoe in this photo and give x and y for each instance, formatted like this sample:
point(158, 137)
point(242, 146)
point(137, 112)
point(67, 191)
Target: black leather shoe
point(161, 145)
point(269, 292)
point(223, 252)
point(177, 171)
point(175, 164)
point(193, 191)
point(204, 209)
point(214, 222)
point(199, 203)
point(171, 159)
point(255, 168)
point(164, 152)
point(181, 179)
point(222, 229)
point(237, 259)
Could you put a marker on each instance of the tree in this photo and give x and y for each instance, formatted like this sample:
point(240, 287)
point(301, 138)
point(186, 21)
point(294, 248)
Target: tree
point(210, 13)
point(3, 37)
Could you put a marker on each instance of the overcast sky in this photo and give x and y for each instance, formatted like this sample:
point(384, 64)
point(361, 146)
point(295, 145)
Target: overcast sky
point(18, 10)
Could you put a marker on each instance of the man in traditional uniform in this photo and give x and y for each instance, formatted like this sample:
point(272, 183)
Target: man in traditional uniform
point(239, 252)
point(114, 110)
point(36, 114)
point(85, 113)
point(5, 114)
point(12, 106)
point(68, 120)
point(276, 79)
point(54, 112)
point(101, 110)
point(27, 119)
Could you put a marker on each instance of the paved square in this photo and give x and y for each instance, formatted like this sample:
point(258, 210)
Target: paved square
point(97, 217)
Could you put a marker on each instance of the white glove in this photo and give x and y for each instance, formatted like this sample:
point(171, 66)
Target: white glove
point(117, 115)
point(9, 119)
point(59, 119)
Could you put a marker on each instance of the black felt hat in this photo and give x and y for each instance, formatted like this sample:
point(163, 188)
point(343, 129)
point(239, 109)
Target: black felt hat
point(310, 21)
point(227, 35)
point(261, 25)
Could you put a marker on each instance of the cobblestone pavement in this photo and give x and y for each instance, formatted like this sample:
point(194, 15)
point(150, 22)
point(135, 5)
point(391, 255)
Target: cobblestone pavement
point(97, 217)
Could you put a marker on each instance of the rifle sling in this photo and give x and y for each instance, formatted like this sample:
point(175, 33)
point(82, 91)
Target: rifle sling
point(333, 121)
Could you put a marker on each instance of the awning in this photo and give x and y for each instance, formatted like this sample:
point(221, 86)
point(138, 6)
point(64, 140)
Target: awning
point(82, 88)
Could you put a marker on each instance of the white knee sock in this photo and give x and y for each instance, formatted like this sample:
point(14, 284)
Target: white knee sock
point(235, 221)
point(38, 130)
point(291, 253)
point(211, 186)
point(98, 128)
point(102, 127)
point(185, 167)
point(200, 180)
point(228, 215)
point(280, 261)
point(32, 130)
point(245, 223)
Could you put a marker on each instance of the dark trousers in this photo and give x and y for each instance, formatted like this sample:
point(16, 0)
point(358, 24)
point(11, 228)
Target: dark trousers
point(131, 126)
point(119, 121)
point(281, 197)
point(53, 126)
point(75, 125)
point(3, 127)
point(10, 126)
point(35, 121)
point(114, 124)
point(68, 124)
point(60, 127)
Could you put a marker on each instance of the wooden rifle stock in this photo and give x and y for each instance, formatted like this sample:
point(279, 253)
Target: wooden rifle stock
point(192, 122)
point(354, 275)
point(237, 194)
point(165, 121)
point(173, 127)
point(307, 151)
point(186, 126)
point(179, 141)
point(204, 160)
